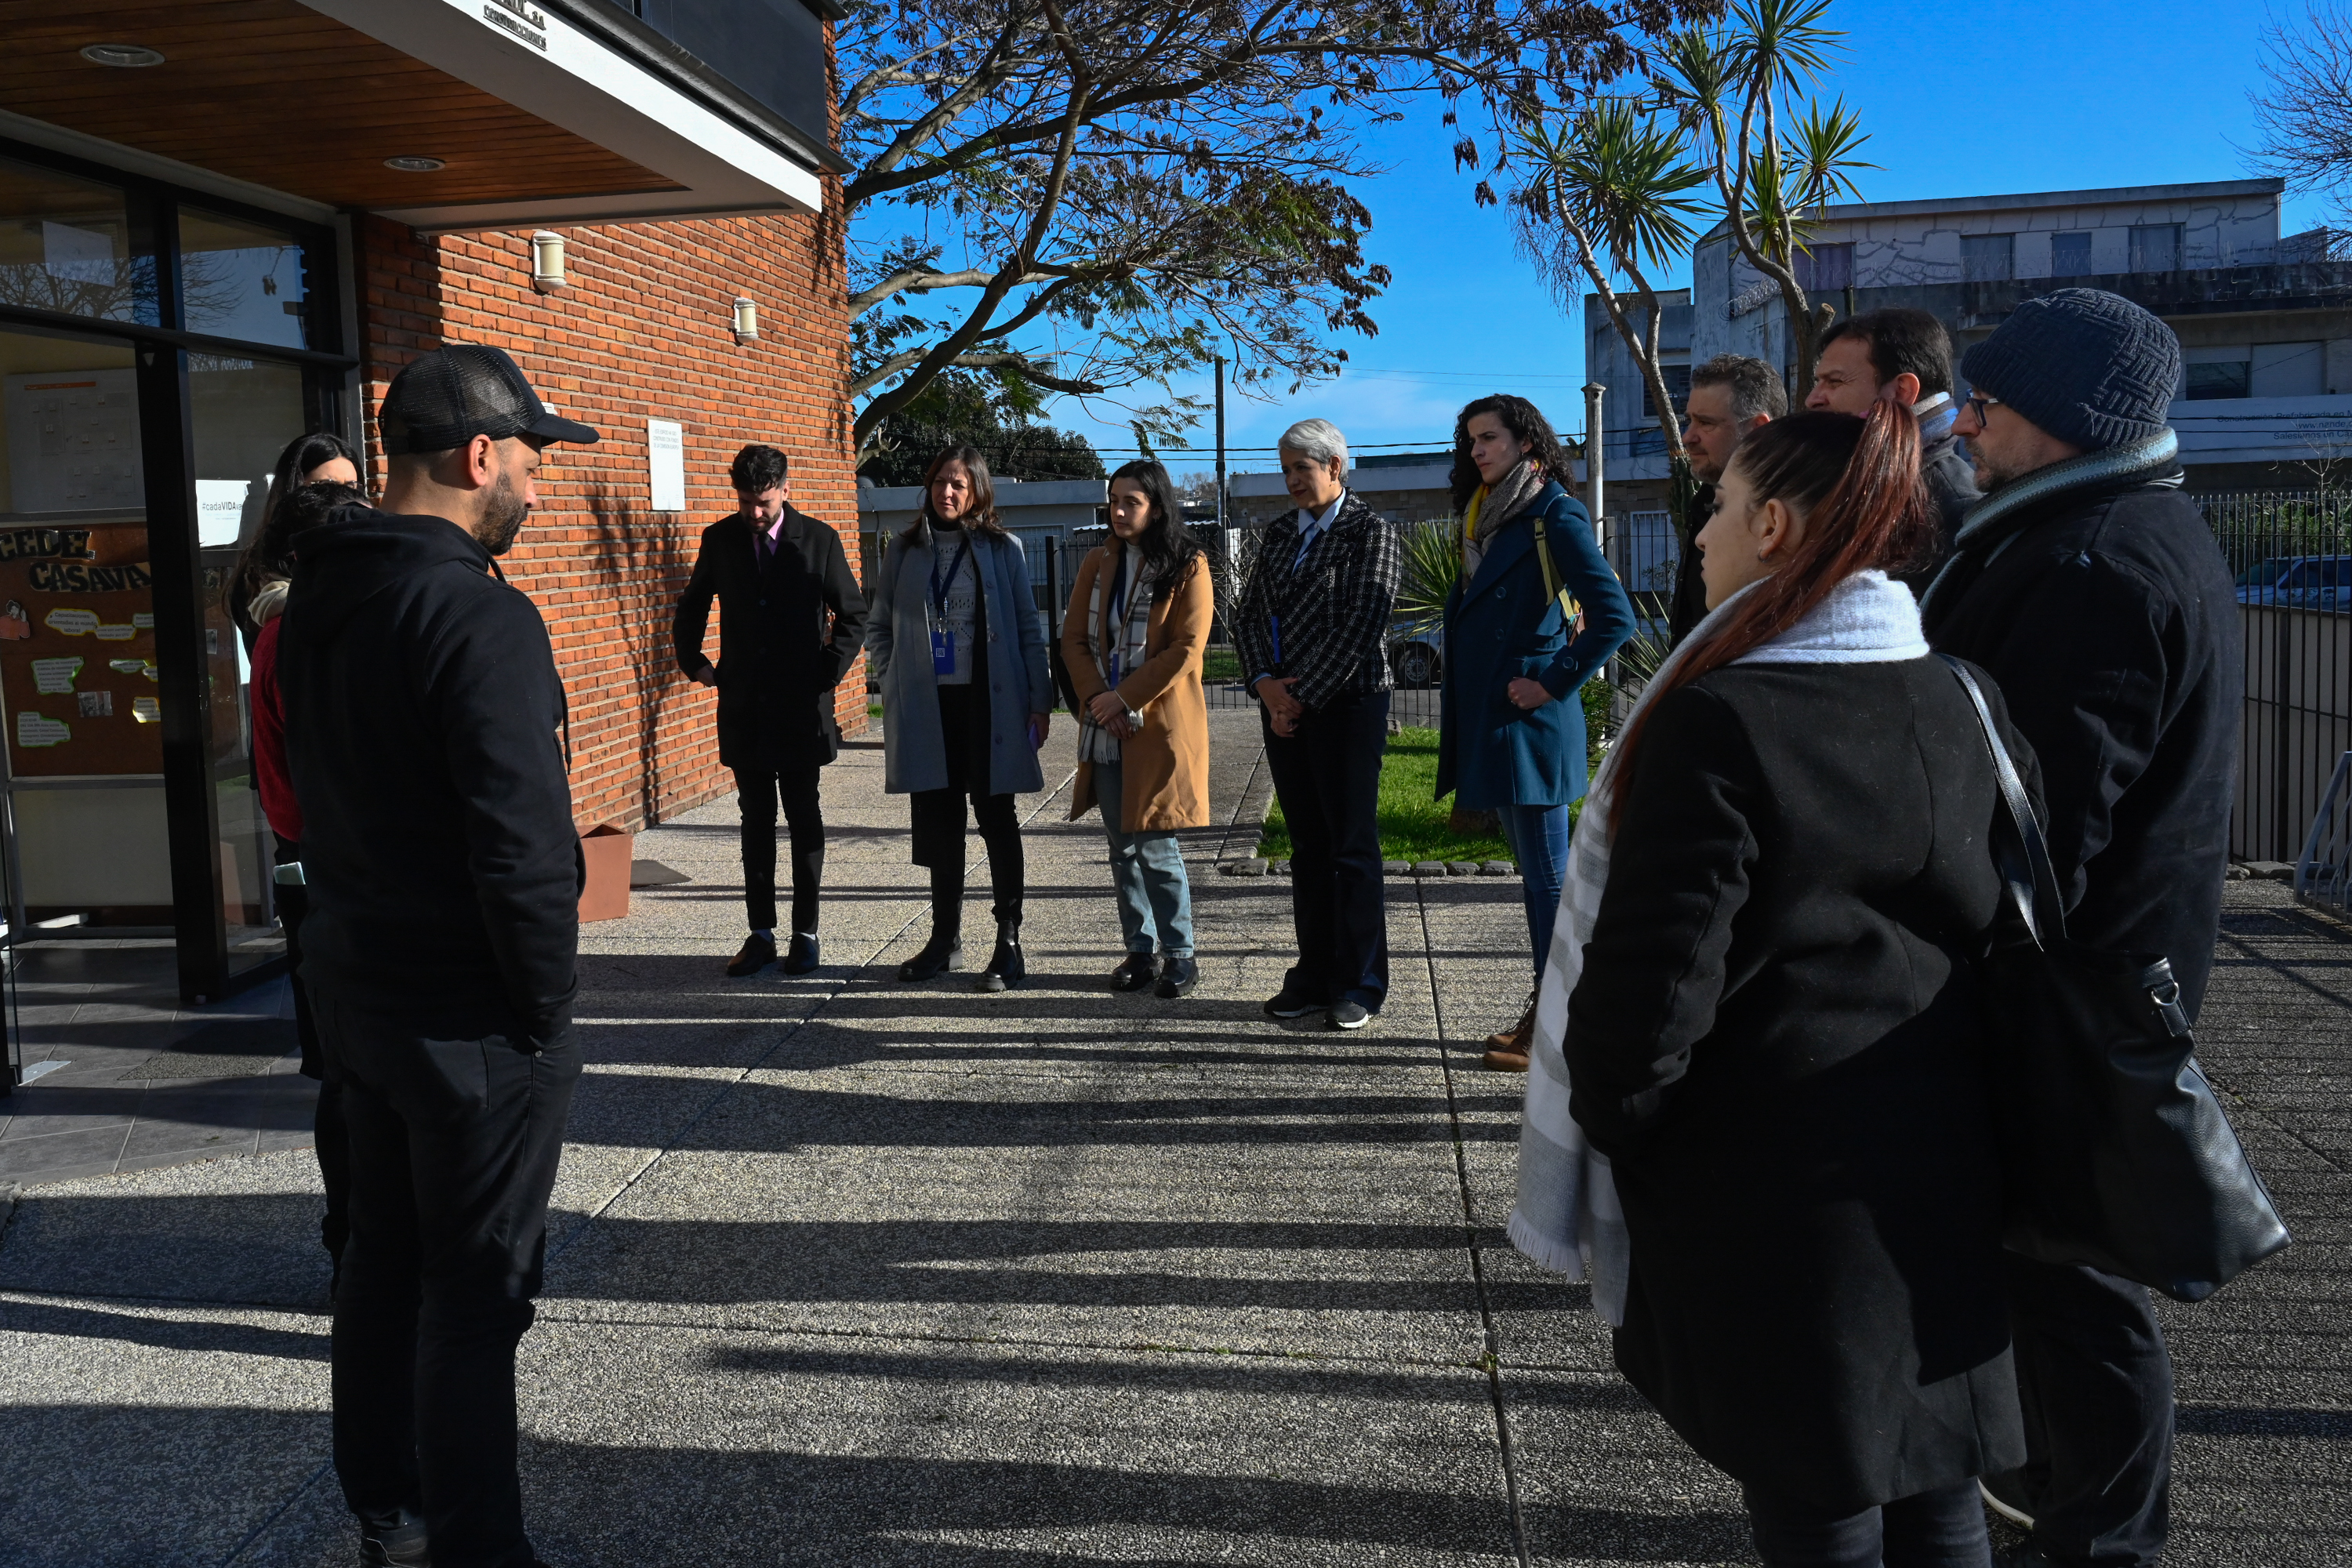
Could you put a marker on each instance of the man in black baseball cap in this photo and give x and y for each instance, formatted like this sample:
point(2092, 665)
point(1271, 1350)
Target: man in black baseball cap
point(424, 726)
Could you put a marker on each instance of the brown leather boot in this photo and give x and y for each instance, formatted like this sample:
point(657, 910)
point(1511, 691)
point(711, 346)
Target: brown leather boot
point(1507, 1051)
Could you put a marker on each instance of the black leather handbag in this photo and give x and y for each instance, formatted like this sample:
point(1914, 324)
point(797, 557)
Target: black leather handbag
point(2114, 1153)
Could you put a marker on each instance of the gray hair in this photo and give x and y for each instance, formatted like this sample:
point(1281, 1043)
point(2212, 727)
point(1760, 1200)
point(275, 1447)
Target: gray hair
point(1317, 438)
point(1756, 388)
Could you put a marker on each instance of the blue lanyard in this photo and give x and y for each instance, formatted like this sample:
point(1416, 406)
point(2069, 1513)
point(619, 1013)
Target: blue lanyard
point(939, 587)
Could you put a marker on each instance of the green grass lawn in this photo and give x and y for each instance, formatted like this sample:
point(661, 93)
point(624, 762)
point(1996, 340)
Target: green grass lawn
point(1221, 666)
point(1412, 826)
point(1415, 827)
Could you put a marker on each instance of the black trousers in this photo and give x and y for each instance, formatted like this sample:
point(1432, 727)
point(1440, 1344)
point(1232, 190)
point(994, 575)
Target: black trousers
point(2095, 1384)
point(455, 1128)
point(1941, 1529)
point(327, 1120)
point(939, 814)
point(758, 792)
point(1328, 778)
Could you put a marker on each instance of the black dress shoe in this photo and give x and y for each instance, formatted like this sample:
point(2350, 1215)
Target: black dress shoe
point(1133, 973)
point(1289, 1004)
point(1177, 976)
point(942, 952)
point(1006, 966)
point(802, 957)
point(397, 1540)
point(759, 952)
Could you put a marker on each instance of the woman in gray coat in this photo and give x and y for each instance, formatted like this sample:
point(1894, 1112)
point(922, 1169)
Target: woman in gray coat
point(957, 644)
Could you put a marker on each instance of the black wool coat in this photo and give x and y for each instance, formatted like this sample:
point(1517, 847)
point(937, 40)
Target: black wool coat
point(1777, 1041)
point(1951, 481)
point(2108, 617)
point(426, 736)
point(786, 636)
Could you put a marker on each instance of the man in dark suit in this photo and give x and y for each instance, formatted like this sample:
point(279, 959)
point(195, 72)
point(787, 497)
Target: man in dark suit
point(791, 620)
point(1312, 627)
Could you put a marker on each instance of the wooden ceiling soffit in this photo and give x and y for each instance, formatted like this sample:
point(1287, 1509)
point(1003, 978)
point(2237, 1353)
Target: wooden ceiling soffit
point(532, 119)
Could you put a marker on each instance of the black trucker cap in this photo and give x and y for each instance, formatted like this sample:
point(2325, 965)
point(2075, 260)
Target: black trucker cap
point(445, 398)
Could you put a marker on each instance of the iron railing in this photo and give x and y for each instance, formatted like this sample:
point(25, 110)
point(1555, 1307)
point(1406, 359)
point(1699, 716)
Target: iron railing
point(2290, 556)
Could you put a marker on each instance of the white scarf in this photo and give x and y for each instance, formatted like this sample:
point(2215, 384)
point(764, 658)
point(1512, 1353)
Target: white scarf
point(1567, 1217)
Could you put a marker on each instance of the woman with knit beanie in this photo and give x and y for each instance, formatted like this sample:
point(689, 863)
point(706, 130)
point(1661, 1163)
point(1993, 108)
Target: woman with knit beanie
point(1761, 1013)
point(1534, 613)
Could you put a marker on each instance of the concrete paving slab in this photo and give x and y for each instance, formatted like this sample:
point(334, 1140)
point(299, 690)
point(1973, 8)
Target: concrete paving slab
point(148, 1436)
point(677, 1446)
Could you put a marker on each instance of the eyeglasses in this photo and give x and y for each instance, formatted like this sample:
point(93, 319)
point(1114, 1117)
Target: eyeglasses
point(1978, 403)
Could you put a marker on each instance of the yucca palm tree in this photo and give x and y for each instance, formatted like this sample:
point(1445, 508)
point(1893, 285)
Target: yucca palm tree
point(1729, 86)
point(1607, 196)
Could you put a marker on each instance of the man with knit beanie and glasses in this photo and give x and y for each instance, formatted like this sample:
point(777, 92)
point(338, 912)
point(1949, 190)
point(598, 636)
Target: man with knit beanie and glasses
point(2090, 587)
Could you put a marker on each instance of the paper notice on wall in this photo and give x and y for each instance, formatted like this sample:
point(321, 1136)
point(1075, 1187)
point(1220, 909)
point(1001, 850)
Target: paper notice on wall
point(146, 709)
point(70, 622)
point(96, 704)
point(144, 620)
point(37, 731)
point(666, 463)
point(220, 509)
point(78, 254)
point(116, 631)
point(127, 666)
point(55, 676)
point(73, 440)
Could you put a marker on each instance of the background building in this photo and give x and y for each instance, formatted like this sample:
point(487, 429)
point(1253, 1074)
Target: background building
point(225, 222)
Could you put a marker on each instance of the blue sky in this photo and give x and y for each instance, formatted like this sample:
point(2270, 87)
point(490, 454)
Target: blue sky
point(1974, 98)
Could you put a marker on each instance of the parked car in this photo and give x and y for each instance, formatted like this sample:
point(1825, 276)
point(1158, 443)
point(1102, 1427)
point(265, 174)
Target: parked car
point(1416, 654)
point(2322, 583)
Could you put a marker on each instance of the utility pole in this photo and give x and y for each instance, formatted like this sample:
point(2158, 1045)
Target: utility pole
point(1595, 438)
point(1223, 543)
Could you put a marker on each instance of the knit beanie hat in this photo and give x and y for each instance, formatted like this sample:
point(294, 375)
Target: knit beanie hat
point(2090, 367)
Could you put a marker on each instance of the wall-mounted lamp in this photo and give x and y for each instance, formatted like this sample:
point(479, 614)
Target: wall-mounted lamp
point(546, 261)
point(414, 164)
point(747, 318)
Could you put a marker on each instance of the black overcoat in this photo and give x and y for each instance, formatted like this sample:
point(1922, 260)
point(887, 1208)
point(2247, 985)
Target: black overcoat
point(1778, 1040)
point(786, 636)
point(2107, 616)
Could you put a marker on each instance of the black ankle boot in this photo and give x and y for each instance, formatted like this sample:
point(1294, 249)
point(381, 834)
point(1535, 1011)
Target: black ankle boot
point(944, 952)
point(1006, 967)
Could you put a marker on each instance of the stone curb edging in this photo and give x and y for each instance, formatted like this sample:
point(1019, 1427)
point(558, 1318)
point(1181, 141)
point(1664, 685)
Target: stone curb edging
point(1438, 869)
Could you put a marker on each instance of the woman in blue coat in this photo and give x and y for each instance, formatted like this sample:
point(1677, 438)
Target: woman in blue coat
point(958, 646)
point(1511, 734)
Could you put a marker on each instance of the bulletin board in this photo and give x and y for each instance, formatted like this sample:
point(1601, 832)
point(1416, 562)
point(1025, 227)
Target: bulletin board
point(77, 651)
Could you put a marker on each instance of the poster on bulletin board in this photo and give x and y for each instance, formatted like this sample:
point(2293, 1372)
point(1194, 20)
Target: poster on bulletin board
point(77, 651)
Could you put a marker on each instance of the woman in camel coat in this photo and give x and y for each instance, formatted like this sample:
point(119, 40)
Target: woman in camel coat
point(1132, 637)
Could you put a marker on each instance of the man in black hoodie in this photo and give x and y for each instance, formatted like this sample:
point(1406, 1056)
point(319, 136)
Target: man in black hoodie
point(426, 733)
point(2091, 589)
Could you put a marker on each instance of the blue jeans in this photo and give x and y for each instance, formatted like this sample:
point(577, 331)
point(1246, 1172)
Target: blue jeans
point(1155, 897)
point(1538, 836)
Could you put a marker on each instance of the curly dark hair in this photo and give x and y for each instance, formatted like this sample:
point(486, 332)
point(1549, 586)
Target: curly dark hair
point(1526, 423)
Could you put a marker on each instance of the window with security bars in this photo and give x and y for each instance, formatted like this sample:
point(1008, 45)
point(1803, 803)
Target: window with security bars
point(1988, 258)
point(1823, 268)
point(1677, 379)
point(2155, 248)
point(2070, 254)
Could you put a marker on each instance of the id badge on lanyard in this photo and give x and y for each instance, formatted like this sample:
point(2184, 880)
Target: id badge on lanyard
point(942, 639)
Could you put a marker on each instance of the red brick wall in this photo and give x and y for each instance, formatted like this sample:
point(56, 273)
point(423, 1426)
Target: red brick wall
point(642, 330)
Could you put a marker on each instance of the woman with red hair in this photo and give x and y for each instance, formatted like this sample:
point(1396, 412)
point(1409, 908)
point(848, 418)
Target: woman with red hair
point(1766, 1023)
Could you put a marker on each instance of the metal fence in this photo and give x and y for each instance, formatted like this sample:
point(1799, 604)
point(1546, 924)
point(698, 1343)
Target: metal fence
point(2290, 556)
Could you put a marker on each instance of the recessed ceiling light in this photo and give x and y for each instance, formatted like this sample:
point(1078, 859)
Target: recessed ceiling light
point(416, 165)
point(128, 56)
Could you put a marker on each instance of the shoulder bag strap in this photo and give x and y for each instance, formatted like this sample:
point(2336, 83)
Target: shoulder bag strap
point(2033, 886)
point(1553, 587)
